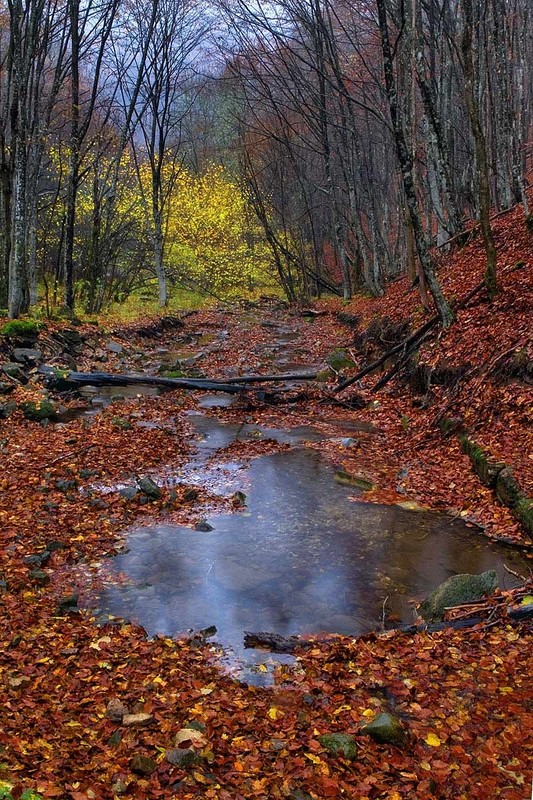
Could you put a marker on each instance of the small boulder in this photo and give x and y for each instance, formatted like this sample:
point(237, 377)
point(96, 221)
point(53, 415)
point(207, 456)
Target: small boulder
point(38, 412)
point(191, 737)
point(128, 492)
point(339, 744)
point(140, 720)
point(116, 710)
point(14, 370)
point(150, 488)
point(40, 577)
point(507, 488)
point(340, 359)
point(142, 765)
point(385, 729)
point(203, 526)
point(27, 355)
point(456, 591)
point(183, 758)
point(114, 347)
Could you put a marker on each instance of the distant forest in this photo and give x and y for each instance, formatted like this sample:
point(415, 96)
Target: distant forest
point(313, 145)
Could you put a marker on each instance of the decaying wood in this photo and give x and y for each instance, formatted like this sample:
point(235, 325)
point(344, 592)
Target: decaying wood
point(230, 386)
point(74, 380)
point(274, 642)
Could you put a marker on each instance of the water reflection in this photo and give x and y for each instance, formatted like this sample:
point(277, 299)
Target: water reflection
point(301, 558)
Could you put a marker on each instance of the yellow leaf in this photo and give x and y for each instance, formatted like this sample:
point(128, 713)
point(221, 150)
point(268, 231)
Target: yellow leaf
point(527, 600)
point(340, 709)
point(505, 689)
point(274, 713)
point(313, 758)
point(368, 712)
point(262, 668)
point(432, 740)
point(426, 766)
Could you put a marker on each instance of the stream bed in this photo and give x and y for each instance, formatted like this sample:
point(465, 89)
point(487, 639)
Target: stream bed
point(303, 556)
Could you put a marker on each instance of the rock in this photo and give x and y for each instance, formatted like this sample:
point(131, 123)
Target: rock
point(5, 387)
point(507, 488)
point(150, 488)
point(203, 526)
point(523, 511)
point(3, 586)
point(114, 347)
point(116, 710)
point(129, 492)
point(142, 765)
point(13, 370)
point(339, 744)
point(299, 794)
point(182, 758)
point(38, 412)
point(39, 576)
point(115, 739)
point(238, 499)
point(6, 409)
point(26, 355)
point(340, 359)
point(456, 591)
point(119, 787)
point(190, 495)
point(345, 479)
point(385, 729)
point(67, 603)
point(349, 441)
point(190, 737)
point(141, 720)
point(66, 485)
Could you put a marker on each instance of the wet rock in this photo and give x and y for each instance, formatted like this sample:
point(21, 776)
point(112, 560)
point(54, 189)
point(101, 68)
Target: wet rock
point(115, 739)
point(66, 485)
point(114, 347)
point(39, 576)
point(140, 720)
point(3, 585)
point(14, 370)
point(142, 765)
point(67, 603)
point(456, 591)
point(203, 526)
point(238, 499)
point(523, 511)
point(385, 728)
point(342, 745)
point(182, 757)
point(349, 441)
point(119, 787)
point(190, 495)
point(129, 492)
point(5, 387)
point(37, 559)
point(150, 488)
point(357, 481)
point(116, 710)
point(26, 355)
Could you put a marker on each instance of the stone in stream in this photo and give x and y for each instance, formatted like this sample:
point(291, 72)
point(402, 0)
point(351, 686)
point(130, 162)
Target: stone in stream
point(14, 370)
point(340, 359)
point(150, 487)
point(339, 744)
point(385, 729)
point(456, 591)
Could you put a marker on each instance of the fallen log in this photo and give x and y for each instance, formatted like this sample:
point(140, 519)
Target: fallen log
point(64, 381)
point(274, 642)
point(68, 380)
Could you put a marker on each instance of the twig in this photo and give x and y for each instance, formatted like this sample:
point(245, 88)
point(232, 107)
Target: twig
point(67, 455)
point(512, 572)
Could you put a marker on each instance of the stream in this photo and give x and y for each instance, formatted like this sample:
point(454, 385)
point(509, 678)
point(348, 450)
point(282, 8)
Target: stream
point(302, 557)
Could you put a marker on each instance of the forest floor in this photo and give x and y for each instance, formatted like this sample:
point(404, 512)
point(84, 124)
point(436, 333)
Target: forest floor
point(463, 697)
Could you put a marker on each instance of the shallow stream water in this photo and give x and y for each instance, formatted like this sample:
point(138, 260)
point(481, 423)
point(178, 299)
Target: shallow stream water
point(303, 556)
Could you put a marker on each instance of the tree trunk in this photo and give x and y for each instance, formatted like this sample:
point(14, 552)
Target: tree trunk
point(406, 167)
point(482, 167)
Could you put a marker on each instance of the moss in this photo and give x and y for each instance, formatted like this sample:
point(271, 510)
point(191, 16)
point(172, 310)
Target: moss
point(340, 359)
point(507, 488)
point(121, 422)
point(523, 511)
point(485, 468)
point(20, 328)
point(37, 412)
point(339, 744)
point(345, 479)
point(457, 590)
